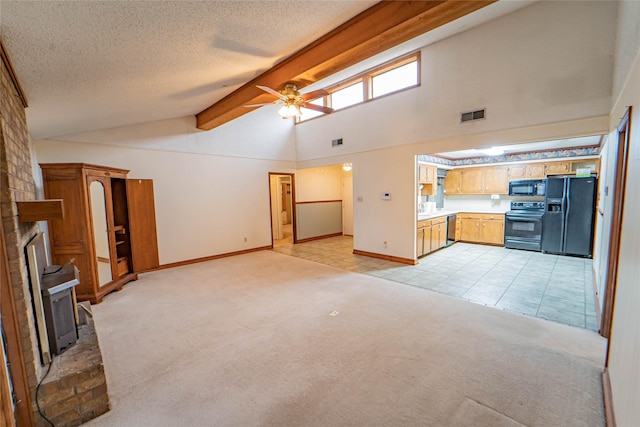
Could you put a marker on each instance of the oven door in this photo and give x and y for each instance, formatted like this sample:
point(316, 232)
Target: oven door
point(523, 231)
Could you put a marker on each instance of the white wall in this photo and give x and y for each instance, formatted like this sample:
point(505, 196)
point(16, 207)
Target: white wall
point(207, 200)
point(624, 345)
point(319, 183)
point(477, 203)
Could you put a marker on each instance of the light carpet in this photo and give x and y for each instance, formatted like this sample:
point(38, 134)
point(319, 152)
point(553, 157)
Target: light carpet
point(265, 339)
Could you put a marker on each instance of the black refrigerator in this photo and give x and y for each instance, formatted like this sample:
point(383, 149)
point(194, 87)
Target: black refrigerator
point(567, 224)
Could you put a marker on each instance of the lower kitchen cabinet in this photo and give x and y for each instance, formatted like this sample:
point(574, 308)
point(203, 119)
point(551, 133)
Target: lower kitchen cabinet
point(431, 235)
point(493, 229)
point(438, 233)
point(482, 228)
point(423, 238)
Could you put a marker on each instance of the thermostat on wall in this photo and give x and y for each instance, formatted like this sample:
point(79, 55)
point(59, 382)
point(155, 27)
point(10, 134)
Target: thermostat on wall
point(386, 196)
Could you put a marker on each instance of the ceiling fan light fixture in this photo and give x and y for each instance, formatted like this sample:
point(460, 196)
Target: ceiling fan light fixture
point(290, 110)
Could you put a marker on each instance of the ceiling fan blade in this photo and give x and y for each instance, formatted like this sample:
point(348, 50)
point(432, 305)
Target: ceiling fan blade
point(271, 91)
point(314, 95)
point(320, 108)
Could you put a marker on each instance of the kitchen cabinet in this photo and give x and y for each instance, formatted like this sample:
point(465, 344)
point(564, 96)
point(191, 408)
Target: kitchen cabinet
point(438, 233)
point(557, 168)
point(108, 228)
point(482, 228)
point(423, 238)
point(427, 176)
point(542, 170)
point(431, 235)
point(470, 227)
point(486, 180)
point(535, 170)
point(452, 183)
point(517, 172)
point(492, 229)
point(471, 181)
point(496, 180)
point(591, 164)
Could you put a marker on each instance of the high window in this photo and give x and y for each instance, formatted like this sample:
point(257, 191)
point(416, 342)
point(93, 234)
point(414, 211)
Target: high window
point(397, 75)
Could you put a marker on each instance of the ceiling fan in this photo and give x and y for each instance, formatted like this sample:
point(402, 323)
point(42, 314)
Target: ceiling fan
point(291, 100)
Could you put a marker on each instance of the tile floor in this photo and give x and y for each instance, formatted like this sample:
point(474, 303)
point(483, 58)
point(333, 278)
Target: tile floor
point(551, 287)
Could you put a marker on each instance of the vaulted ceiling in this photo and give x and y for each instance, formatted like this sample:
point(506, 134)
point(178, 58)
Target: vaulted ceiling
point(91, 65)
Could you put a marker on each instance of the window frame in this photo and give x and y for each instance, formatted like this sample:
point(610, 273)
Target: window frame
point(366, 78)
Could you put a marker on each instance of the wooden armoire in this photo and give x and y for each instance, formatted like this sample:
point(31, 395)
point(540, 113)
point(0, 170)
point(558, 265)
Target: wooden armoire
point(108, 228)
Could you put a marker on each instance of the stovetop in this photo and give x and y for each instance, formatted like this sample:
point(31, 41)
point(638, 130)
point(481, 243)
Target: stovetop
point(526, 209)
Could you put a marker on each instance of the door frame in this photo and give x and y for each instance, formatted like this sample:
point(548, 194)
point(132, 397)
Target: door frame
point(619, 190)
point(345, 214)
point(293, 203)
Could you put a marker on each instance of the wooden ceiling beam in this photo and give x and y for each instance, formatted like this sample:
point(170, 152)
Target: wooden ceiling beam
point(381, 27)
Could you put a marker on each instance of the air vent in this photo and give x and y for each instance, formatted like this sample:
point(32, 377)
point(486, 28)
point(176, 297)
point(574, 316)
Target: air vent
point(472, 115)
point(336, 142)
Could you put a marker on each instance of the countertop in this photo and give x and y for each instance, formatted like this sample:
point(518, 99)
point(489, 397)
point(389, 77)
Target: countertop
point(445, 212)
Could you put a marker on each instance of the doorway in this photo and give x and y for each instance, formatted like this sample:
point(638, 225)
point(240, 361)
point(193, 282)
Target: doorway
point(619, 191)
point(282, 201)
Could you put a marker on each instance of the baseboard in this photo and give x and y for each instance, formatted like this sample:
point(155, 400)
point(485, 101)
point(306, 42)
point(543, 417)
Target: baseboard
point(608, 399)
point(210, 258)
point(386, 257)
point(310, 239)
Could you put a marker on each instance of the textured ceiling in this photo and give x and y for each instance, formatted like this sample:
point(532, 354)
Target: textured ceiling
point(87, 65)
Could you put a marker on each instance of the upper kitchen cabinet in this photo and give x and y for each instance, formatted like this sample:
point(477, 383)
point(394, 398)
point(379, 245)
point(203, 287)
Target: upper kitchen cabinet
point(428, 176)
point(557, 168)
point(541, 170)
point(485, 180)
point(453, 182)
point(526, 171)
point(517, 171)
point(591, 164)
point(471, 181)
point(496, 180)
point(535, 171)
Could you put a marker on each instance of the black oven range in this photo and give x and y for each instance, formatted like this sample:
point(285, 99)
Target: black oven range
point(523, 226)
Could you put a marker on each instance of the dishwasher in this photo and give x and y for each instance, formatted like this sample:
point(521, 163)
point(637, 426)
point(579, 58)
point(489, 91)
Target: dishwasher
point(451, 229)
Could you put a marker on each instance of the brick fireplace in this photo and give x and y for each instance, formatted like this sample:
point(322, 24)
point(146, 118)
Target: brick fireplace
point(73, 392)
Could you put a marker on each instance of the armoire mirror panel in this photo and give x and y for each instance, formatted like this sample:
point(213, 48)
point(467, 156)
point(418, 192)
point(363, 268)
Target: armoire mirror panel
point(100, 232)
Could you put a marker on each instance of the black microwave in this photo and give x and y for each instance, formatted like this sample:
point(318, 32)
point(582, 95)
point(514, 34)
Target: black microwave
point(527, 187)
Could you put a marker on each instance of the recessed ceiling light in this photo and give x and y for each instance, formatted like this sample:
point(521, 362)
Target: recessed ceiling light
point(493, 151)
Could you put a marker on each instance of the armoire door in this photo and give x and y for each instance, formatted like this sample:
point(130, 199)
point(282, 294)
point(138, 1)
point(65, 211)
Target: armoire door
point(142, 224)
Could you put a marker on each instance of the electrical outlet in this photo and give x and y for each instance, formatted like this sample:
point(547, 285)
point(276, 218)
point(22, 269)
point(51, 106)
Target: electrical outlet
point(385, 244)
point(245, 240)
